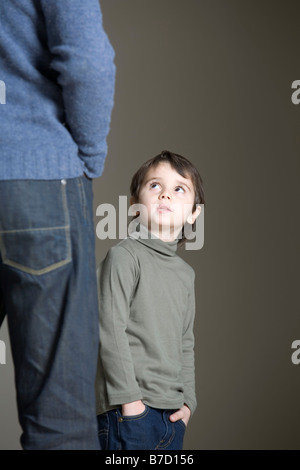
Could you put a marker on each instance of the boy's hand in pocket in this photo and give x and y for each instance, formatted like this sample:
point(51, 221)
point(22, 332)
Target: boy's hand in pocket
point(183, 413)
point(133, 408)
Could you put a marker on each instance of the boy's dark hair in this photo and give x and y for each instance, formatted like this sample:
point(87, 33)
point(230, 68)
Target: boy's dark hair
point(179, 163)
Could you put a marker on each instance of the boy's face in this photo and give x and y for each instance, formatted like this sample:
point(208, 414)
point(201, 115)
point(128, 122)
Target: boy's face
point(166, 200)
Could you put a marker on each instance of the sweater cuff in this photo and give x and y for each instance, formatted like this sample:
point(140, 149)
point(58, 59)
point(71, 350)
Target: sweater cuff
point(121, 399)
point(192, 404)
point(93, 165)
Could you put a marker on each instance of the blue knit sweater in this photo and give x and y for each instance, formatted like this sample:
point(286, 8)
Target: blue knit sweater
point(58, 74)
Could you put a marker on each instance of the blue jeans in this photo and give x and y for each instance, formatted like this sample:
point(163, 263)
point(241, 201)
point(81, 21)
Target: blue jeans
point(150, 430)
point(49, 291)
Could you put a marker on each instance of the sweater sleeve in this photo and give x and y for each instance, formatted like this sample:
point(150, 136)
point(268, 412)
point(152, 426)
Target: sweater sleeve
point(188, 366)
point(82, 57)
point(117, 276)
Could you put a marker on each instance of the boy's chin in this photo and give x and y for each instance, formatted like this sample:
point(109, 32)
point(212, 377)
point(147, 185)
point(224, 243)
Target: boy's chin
point(162, 227)
point(165, 230)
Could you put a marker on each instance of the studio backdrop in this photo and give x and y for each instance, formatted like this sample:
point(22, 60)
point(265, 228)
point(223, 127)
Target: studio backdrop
point(216, 81)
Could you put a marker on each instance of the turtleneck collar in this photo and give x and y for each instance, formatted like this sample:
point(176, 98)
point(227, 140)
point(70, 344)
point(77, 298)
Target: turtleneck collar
point(150, 240)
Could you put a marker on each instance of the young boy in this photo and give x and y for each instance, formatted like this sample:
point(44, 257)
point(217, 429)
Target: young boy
point(145, 384)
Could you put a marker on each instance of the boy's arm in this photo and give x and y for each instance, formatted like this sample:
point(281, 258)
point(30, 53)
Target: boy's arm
point(188, 366)
point(117, 276)
point(82, 57)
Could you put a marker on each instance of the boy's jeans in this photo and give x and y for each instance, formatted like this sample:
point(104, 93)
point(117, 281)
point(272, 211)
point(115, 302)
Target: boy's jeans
point(151, 430)
point(48, 286)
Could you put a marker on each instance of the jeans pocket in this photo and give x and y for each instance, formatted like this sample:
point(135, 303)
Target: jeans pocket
point(136, 417)
point(35, 229)
point(173, 439)
point(143, 432)
point(136, 431)
point(182, 423)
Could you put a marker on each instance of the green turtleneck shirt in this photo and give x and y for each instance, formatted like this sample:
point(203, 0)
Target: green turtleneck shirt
point(146, 311)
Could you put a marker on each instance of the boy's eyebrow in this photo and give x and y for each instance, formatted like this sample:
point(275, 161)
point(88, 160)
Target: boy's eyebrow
point(181, 183)
point(184, 184)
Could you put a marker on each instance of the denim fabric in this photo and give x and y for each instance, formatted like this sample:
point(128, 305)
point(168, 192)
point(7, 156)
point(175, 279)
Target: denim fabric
point(2, 311)
point(48, 286)
point(151, 430)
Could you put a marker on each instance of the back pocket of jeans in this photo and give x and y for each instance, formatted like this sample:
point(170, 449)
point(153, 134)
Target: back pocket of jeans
point(38, 240)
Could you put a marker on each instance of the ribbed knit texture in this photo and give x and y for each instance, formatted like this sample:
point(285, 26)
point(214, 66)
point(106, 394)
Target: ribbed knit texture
point(57, 65)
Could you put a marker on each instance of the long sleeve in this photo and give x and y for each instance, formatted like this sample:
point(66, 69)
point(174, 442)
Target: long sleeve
point(117, 277)
point(83, 59)
point(188, 365)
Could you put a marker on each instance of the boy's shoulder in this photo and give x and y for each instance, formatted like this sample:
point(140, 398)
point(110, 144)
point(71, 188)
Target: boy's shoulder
point(130, 251)
point(187, 268)
point(128, 245)
point(120, 259)
point(123, 250)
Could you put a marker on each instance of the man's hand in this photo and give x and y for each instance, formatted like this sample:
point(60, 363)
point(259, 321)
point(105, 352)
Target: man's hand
point(133, 408)
point(87, 177)
point(183, 413)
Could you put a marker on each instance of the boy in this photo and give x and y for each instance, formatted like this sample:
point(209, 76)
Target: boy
point(145, 384)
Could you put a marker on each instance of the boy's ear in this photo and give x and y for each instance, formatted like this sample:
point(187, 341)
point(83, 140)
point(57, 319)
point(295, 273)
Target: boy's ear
point(192, 217)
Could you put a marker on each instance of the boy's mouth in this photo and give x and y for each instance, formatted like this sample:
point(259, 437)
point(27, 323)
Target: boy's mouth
point(164, 208)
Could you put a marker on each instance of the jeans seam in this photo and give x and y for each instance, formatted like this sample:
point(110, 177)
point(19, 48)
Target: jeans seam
point(118, 432)
point(22, 230)
point(67, 222)
point(36, 272)
point(108, 426)
point(166, 444)
point(180, 421)
point(82, 197)
point(105, 432)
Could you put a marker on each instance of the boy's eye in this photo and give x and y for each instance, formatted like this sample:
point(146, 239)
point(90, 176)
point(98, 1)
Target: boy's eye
point(179, 189)
point(153, 185)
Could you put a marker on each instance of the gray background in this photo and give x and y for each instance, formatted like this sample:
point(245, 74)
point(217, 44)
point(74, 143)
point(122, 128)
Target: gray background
point(211, 79)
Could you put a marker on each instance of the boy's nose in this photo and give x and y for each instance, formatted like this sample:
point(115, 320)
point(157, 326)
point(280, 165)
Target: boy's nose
point(165, 195)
